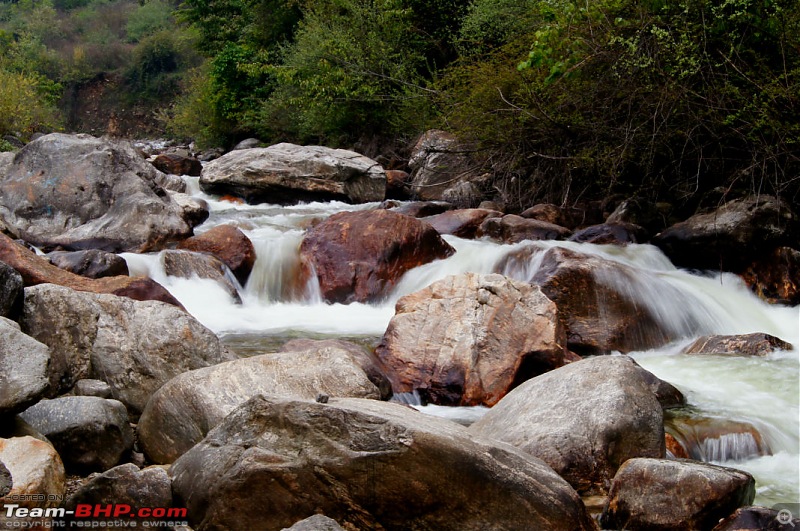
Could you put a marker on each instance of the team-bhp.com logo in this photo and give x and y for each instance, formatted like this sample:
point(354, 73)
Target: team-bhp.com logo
point(94, 516)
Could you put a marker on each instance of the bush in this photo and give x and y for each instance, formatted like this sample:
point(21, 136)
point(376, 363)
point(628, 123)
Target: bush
point(149, 18)
point(24, 107)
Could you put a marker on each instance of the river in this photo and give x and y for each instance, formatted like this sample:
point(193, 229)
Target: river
point(762, 393)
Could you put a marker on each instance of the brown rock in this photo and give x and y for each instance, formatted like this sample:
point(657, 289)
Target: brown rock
point(360, 256)
point(187, 264)
point(715, 439)
point(599, 316)
point(739, 345)
point(37, 473)
point(463, 223)
point(469, 339)
point(397, 184)
point(421, 209)
point(514, 229)
point(674, 448)
point(759, 519)
point(776, 276)
point(93, 263)
point(438, 160)
point(668, 495)
point(37, 270)
point(370, 465)
point(176, 164)
point(570, 218)
point(230, 245)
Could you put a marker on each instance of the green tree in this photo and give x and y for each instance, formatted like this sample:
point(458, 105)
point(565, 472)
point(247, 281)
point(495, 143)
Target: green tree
point(24, 107)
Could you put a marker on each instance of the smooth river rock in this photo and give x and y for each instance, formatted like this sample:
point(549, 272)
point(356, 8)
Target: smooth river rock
point(80, 192)
point(133, 346)
point(230, 245)
point(92, 263)
point(360, 256)
point(584, 419)
point(368, 465)
point(674, 495)
point(287, 174)
point(738, 345)
point(184, 410)
point(23, 369)
point(469, 339)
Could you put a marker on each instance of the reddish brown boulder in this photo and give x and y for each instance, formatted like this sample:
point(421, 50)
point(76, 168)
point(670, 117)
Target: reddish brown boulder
point(740, 345)
point(230, 245)
point(176, 164)
point(513, 229)
point(760, 519)
point(360, 256)
point(716, 439)
point(463, 223)
point(421, 209)
point(776, 276)
point(674, 448)
point(37, 270)
point(596, 302)
point(397, 184)
point(469, 339)
point(668, 495)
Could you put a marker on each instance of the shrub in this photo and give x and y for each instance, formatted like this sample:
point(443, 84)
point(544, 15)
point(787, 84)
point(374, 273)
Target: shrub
point(24, 106)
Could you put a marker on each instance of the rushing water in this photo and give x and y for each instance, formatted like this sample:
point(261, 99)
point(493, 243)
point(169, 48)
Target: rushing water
point(762, 393)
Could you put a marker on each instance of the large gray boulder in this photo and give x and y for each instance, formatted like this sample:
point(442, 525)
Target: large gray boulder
point(288, 173)
point(584, 419)
point(125, 484)
point(469, 339)
point(80, 192)
point(10, 290)
point(23, 369)
point(669, 495)
point(134, 346)
point(368, 465)
point(438, 161)
point(89, 432)
point(184, 410)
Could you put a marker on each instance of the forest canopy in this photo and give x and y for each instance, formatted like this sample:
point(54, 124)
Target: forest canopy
point(562, 100)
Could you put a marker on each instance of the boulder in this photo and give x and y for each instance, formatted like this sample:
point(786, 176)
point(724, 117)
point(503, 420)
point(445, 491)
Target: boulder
point(640, 212)
point(601, 302)
point(368, 465)
point(125, 484)
point(513, 229)
point(397, 184)
point(178, 164)
point(611, 233)
point(738, 345)
point(361, 356)
point(570, 218)
point(90, 387)
point(247, 143)
point(758, 519)
point(194, 211)
point(184, 410)
point(188, 264)
point(288, 173)
point(674, 495)
point(469, 339)
point(463, 223)
point(421, 209)
point(36, 470)
point(730, 237)
point(438, 160)
point(6, 481)
point(23, 369)
point(10, 290)
point(230, 245)
point(135, 347)
point(584, 419)
point(713, 439)
point(92, 263)
point(80, 192)
point(775, 277)
point(464, 194)
point(36, 270)
point(89, 432)
point(360, 256)
point(317, 522)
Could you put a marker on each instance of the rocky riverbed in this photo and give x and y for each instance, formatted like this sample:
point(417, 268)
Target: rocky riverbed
point(143, 318)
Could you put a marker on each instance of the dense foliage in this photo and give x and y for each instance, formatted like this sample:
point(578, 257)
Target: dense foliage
point(556, 99)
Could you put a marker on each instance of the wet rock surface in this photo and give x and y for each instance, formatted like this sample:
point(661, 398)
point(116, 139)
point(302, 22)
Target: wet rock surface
point(513, 229)
point(227, 243)
point(93, 263)
point(738, 345)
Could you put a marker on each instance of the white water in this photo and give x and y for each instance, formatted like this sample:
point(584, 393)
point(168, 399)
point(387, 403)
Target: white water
point(762, 391)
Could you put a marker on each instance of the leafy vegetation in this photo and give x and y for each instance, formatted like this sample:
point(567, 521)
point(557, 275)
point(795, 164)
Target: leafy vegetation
point(559, 99)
